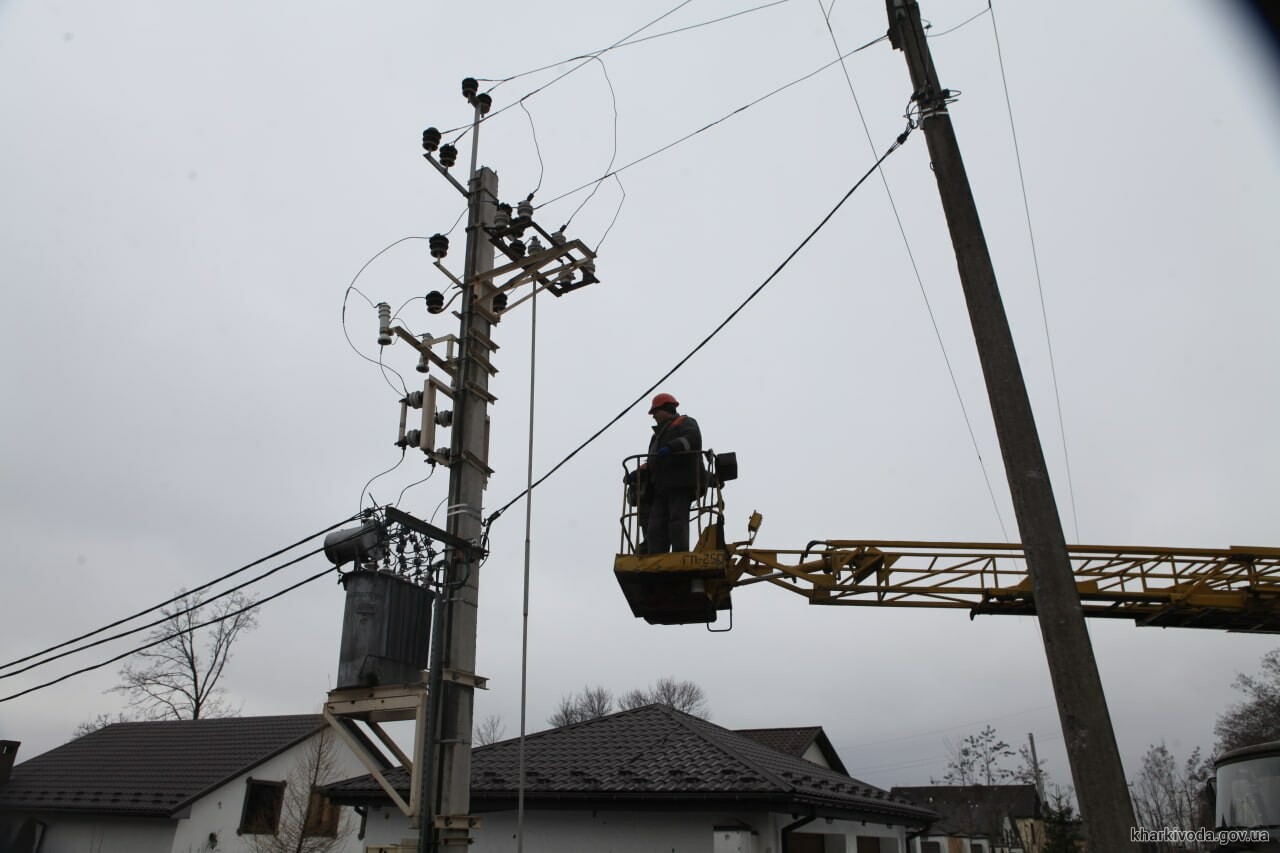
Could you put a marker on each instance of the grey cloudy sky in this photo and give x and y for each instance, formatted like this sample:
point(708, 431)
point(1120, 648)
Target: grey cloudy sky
point(188, 190)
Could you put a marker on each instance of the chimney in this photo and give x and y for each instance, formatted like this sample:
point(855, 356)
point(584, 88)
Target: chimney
point(8, 752)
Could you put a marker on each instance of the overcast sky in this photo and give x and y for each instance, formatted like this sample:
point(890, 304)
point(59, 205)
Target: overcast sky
point(188, 190)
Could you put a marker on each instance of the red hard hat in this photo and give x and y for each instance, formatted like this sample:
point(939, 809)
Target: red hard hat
point(663, 400)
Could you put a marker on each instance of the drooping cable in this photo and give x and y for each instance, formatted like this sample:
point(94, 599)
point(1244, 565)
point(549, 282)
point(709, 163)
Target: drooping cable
point(1035, 259)
point(467, 128)
point(966, 22)
point(613, 156)
point(165, 639)
point(679, 364)
point(627, 42)
point(616, 213)
point(352, 286)
point(528, 550)
point(933, 320)
point(707, 127)
point(192, 591)
point(403, 451)
point(537, 149)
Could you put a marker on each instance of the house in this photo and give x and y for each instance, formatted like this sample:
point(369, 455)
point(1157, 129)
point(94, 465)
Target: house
point(176, 786)
point(653, 778)
point(980, 818)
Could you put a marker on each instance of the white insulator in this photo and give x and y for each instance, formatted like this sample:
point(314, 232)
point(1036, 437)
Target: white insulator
point(424, 365)
point(557, 237)
point(414, 399)
point(535, 245)
point(502, 218)
point(384, 324)
point(525, 209)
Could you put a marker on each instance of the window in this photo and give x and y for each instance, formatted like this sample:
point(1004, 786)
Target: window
point(262, 802)
point(978, 847)
point(322, 815)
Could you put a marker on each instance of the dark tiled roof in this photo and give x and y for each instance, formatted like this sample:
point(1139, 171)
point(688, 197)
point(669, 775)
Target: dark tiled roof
point(651, 754)
point(796, 741)
point(975, 809)
point(151, 768)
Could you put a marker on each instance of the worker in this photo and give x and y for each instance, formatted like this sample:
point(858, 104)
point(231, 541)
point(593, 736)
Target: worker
point(675, 476)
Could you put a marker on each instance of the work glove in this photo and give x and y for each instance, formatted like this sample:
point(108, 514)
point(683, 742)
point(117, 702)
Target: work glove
point(664, 450)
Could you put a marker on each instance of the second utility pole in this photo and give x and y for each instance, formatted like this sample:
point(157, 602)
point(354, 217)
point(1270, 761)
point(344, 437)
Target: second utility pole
point(1082, 707)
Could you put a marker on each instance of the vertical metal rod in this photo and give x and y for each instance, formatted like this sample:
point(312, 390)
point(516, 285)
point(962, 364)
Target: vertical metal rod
point(1073, 670)
point(1035, 766)
point(528, 526)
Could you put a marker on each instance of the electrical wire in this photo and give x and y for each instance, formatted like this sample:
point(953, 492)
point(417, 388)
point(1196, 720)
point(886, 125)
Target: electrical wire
point(892, 148)
point(466, 128)
point(613, 96)
point(223, 618)
point(915, 268)
point(166, 618)
point(1035, 259)
point(403, 451)
point(616, 213)
point(352, 286)
point(964, 23)
point(628, 43)
point(706, 127)
point(193, 591)
point(411, 485)
point(533, 130)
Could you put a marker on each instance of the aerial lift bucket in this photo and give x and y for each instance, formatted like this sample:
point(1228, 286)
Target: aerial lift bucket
point(680, 588)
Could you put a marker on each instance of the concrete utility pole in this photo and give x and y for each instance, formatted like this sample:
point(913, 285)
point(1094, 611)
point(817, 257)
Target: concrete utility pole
point(469, 470)
point(1082, 708)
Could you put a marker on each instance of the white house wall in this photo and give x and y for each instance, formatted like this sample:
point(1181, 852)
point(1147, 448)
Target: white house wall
point(219, 811)
point(94, 834)
point(639, 832)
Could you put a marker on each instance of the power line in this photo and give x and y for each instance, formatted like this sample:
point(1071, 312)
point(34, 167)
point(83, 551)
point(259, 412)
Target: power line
point(915, 268)
point(613, 96)
point(1035, 258)
point(198, 589)
point(466, 128)
point(723, 118)
point(166, 618)
point(169, 637)
point(894, 147)
point(626, 42)
point(958, 26)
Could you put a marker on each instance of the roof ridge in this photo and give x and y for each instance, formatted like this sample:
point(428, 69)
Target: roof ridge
point(686, 720)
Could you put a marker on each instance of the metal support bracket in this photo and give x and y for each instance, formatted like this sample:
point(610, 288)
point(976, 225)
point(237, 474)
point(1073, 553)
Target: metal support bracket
point(466, 679)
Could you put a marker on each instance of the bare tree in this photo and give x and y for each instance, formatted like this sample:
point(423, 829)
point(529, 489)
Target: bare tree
point(101, 721)
point(1166, 792)
point(591, 703)
point(595, 702)
point(178, 678)
point(1257, 718)
point(309, 823)
point(489, 730)
point(685, 696)
point(975, 760)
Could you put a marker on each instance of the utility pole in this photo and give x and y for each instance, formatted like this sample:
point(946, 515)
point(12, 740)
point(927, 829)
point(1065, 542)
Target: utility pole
point(1035, 765)
point(548, 261)
point(468, 473)
point(1082, 707)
